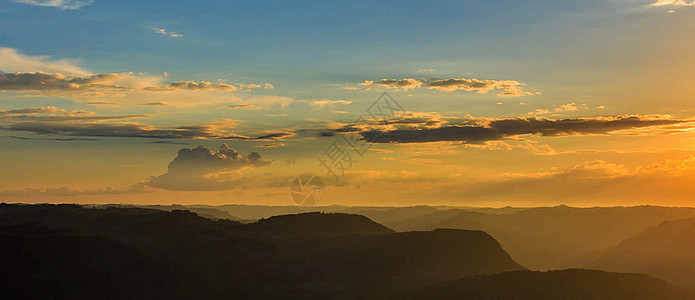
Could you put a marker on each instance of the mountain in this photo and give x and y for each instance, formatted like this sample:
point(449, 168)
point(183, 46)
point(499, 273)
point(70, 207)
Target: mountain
point(206, 212)
point(565, 284)
point(303, 255)
point(315, 224)
point(543, 238)
point(666, 251)
point(420, 257)
point(43, 263)
point(378, 214)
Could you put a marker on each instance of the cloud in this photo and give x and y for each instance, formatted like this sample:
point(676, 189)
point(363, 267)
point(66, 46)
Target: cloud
point(665, 181)
point(131, 130)
point(328, 103)
point(678, 166)
point(67, 191)
point(167, 33)
point(270, 145)
point(423, 129)
point(241, 106)
point(203, 169)
point(193, 85)
point(405, 84)
point(54, 121)
point(56, 84)
point(102, 103)
point(673, 3)
point(62, 4)
point(54, 114)
point(11, 61)
point(507, 88)
point(40, 81)
point(562, 108)
point(43, 76)
point(159, 103)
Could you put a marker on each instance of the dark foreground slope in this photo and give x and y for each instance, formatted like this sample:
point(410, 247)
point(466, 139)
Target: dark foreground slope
point(180, 253)
point(39, 262)
point(566, 284)
point(666, 251)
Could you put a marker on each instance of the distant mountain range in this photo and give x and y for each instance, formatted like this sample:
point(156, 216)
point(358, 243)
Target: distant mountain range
point(666, 251)
point(545, 237)
point(540, 238)
point(69, 251)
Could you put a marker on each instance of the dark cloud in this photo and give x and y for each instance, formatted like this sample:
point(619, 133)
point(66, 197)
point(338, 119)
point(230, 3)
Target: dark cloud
point(201, 168)
point(40, 81)
point(51, 139)
point(406, 84)
point(56, 82)
point(497, 129)
point(54, 121)
point(135, 130)
point(241, 106)
point(53, 114)
point(103, 103)
point(270, 145)
point(116, 130)
point(194, 85)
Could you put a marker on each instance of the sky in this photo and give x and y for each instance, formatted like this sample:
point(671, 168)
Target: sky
point(389, 103)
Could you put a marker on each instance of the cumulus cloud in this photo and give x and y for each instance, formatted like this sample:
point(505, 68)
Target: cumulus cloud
point(11, 61)
point(507, 88)
point(562, 108)
point(422, 129)
point(62, 4)
point(201, 168)
point(406, 84)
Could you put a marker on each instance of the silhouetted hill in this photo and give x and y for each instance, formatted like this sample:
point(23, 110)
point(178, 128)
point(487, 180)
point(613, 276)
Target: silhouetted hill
point(205, 212)
point(414, 257)
point(382, 215)
point(543, 238)
point(304, 255)
point(313, 225)
point(42, 263)
point(666, 251)
point(566, 284)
